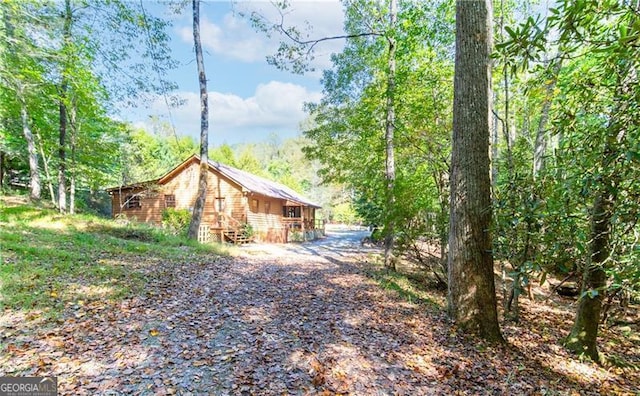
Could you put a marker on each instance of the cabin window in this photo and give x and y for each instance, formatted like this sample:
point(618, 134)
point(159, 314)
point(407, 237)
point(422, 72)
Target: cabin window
point(267, 207)
point(170, 201)
point(291, 211)
point(254, 205)
point(132, 202)
point(220, 204)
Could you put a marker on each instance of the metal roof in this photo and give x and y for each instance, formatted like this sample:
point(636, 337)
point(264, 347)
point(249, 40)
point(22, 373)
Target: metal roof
point(259, 185)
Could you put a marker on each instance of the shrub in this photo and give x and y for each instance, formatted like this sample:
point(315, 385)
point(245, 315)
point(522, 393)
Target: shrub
point(377, 235)
point(296, 236)
point(176, 221)
point(247, 230)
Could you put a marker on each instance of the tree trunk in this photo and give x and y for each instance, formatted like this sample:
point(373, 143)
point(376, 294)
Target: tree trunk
point(390, 173)
point(508, 131)
point(443, 231)
point(62, 171)
point(541, 135)
point(506, 128)
point(72, 171)
point(512, 303)
point(72, 193)
point(512, 307)
point(47, 174)
point(34, 173)
point(1, 169)
point(494, 151)
point(198, 208)
point(471, 290)
point(62, 185)
point(584, 333)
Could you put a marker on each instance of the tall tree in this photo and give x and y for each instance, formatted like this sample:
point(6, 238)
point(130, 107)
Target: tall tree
point(540, 146)
point(94, 70)
point(352, 126)
point(511, 247)
point(15, 71)
point(62, 104)
point(198, 208)
point(471, 288)
point(385, 48)
point(390, 152)
point(34, 171)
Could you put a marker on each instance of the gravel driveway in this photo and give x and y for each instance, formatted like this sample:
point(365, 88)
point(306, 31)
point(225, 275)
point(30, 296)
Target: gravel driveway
point(286, 319)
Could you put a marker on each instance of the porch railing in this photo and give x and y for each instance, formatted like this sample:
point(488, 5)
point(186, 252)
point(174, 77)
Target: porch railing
point(298, 223)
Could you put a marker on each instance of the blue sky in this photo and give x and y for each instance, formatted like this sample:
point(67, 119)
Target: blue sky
point(248, 99)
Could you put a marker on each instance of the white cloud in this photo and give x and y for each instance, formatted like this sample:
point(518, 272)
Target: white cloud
point(232, 39)
point(274, 107)
point(235, 38)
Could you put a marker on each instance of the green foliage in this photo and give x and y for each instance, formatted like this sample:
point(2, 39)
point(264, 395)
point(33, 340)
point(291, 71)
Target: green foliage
point(80, 56)
point(598, 91)
point(377, 235)
point(144, 156)
point(544, 222)
point(224, 154)
point(347, 135)
point(247, 230)
point(176, 221)
point(296, 236)
point(369, 206)
point(344, 213)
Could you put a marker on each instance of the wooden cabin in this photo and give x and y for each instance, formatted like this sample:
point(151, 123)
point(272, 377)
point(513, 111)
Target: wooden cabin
point(235, 198)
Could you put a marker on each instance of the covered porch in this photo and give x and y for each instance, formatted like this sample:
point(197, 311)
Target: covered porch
point(300, 222)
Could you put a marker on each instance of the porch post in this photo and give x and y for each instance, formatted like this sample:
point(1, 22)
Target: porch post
point(304, 232)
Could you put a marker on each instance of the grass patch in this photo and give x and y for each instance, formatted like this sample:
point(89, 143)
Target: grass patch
point(48, 260)
point(406, 287)
point(409, 287)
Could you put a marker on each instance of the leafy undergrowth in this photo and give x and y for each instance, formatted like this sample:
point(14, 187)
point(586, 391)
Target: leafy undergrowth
point(304, 319)
point(544, 322)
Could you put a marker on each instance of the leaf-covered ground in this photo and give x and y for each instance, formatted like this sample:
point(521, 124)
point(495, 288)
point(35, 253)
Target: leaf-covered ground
point(301, 319)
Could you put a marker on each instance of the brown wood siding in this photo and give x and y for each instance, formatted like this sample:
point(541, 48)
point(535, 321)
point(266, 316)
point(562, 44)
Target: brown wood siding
point(184, 186)
point(264, 218)
point(267, 219)
point(237, 207)
point(150, 205)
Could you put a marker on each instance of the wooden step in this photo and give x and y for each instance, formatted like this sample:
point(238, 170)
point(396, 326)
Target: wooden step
point(236, 237)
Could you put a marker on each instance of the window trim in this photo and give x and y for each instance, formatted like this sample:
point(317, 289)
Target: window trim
point(169, 201)
point(291, 212)
point(132, 202)
point(221, 204)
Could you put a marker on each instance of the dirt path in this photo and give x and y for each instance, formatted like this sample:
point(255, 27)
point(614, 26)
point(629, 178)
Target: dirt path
point(296, 319)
